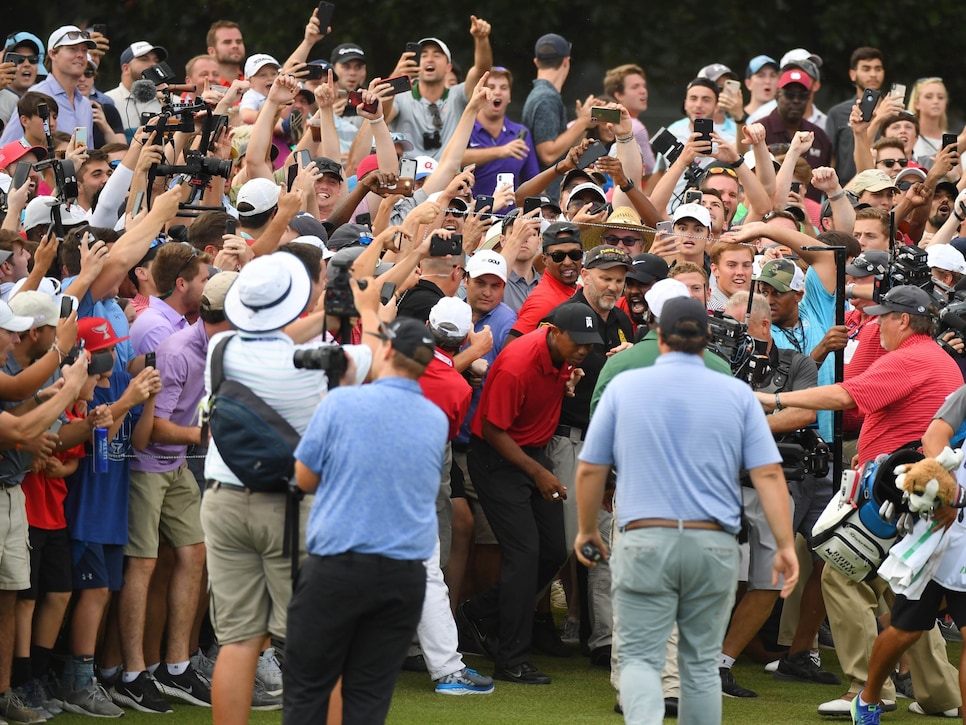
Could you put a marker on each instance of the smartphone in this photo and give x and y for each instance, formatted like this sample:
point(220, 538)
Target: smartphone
point(505, 179)
point(414, 48)
point(666, 143)
point(364, 219)
point(218, 90)
point(704, 126)
point(870, 97)
point(796, 187)
point(66, 305)
point(522, 134)
point(355, 99)
point(12, 57)
point(483, 201)
point(597, 210)
point(387, 292)
point(55, 426)
point(326, 10)
point(591, 154)
point(598, 114)
point(138, 201)
point(150, 360)
point(399, 84)
point(315, 72)
point(439, 247)
point(99, 28)
point(693, 196)
point(293, 171)
point(898, 90)
point(665, 227)
point(303, 158)
point(531, 203)
point(80, 135)
point(949, 139)
point(21, 174)
point(407, 168)
point(734, 88)
point(231, 225)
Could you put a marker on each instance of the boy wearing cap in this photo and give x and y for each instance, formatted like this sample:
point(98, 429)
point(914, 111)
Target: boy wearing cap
point(28, 66)
point(512, 473)
point(429, 113)
point(135, 59)
point(67, 57)
point(875, 188)
point(761, 79)
point(260, 71)
point(899, 394)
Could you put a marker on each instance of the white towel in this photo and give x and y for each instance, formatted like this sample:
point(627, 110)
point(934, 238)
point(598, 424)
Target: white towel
point(912, 562)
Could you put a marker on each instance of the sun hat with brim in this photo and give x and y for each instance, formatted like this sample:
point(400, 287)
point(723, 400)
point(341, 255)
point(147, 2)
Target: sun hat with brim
point(270, 292)
point(623, 217)
point(904, 298)
point(11, 322)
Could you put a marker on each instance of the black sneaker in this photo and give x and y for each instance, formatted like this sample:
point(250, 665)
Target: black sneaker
point(545, 638)
point(475, 632)
point(730, 688)
point(188, 686)
point(670, 707)
point(800, 667)
point(903, 685)
point(825, 640)
point(522, 674)
point(142, 694)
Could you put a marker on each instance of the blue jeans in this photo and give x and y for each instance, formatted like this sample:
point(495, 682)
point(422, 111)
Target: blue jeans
point(662, 576)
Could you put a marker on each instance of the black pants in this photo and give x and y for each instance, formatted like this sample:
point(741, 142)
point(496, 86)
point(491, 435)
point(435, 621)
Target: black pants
point(530, 531)
point(352, 615)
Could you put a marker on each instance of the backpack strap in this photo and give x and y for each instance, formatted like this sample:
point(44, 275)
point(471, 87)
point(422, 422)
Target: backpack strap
point(217, 363)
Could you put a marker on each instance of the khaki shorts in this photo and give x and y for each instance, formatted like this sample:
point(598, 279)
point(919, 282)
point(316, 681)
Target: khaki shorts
point(249, 580)
point(167, 504)
point(14, 540)
point(482, 533)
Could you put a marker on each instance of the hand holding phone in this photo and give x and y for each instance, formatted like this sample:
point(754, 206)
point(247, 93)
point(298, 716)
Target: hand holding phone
point(150, 360)
point(704, 127)
point(440, 247)
point(591, 154)
point(325, 13)
point(869, 100)
point(599, 114)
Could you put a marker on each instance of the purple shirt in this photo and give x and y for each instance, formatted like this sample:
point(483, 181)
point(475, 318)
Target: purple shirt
point(156, 324)
point(75, 111)
point(181, 362)
point(522, 169)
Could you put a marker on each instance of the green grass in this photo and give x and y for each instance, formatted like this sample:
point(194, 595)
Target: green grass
point(578, 694)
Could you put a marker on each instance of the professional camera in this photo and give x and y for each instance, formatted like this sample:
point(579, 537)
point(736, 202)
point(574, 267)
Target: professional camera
point(330, 358)
point(952, 318)
point(908, 267)
point(65, 176)
point(729, 339)
point(338, 295)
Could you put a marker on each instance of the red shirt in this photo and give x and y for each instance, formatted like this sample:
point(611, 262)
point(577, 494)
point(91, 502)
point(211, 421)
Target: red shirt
point(443, 385)
point(862, 349)
point(523, 391)
point(44, 496)
point(900, 393)
point(622, 304)
point(548, 293)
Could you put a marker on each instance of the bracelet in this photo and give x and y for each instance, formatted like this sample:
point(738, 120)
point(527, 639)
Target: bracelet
point(556, 168)
point(625, 139)
point(837, 195)
point(959, 216)
point(741, 120)
point(376, 120)
point(739, 162)
point(60, 353)
point(627, 187)
point(37, 399)
point(778, 402)
point(850, 291)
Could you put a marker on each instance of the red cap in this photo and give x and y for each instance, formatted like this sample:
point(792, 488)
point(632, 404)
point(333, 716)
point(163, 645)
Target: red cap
point(16, 150)
point(795, 75)
point(97, 333)
point(368, 164)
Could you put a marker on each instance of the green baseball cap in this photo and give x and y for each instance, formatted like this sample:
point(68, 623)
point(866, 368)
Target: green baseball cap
point(782, 274)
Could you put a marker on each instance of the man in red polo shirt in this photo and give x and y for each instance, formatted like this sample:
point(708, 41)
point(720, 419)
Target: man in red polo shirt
point(899, 394)
point(522, 498)
point(563, 256)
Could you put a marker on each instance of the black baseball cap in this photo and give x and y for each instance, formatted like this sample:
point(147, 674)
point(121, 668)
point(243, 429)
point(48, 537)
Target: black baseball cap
point(578, 321)
point(605, 256)
point(871, 261)
point(561, 233)
point(679, 309)
point(409, 337)
point(647, 268)
point(346, 52)
point(328, 166)
point(905, 298)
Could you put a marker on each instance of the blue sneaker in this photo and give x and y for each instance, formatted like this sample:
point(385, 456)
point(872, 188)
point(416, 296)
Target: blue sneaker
point(464, 682)
point(865, 714)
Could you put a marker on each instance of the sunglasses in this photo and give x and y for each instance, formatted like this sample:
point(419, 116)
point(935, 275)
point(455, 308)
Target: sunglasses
point(889, 163)
point(17, 58)
point(90, 73)
point(575, 254)
point(76, 35)
point(796, 95)
point(614, 240)
point(722, 170)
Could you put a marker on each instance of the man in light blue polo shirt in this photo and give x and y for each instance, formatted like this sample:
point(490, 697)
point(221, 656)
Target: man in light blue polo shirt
point(679, 510)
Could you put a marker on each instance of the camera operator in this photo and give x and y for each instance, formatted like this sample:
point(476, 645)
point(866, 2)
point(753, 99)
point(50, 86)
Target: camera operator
point(777, 371)
point(249, 578)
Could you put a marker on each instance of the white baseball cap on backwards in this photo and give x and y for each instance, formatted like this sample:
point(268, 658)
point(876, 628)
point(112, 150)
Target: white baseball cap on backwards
point(270, 292)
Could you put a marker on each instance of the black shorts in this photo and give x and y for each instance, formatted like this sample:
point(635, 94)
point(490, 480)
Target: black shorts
point(50, 563)
point(97, 566)
point(920, 616)
point(456, 482)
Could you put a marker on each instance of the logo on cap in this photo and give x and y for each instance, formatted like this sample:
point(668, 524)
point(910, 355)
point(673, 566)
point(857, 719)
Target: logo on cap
point(589, 323)
point(102, 330)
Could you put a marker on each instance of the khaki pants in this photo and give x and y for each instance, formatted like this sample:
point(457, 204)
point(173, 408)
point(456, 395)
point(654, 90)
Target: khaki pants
point(851, 610)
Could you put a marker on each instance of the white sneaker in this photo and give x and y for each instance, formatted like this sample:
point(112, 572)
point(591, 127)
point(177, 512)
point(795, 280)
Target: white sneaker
point(916, 708)
point(269, 673)
point(772, 666)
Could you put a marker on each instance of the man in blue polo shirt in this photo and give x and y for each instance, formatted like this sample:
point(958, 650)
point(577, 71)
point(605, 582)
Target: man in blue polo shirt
point(497, 144)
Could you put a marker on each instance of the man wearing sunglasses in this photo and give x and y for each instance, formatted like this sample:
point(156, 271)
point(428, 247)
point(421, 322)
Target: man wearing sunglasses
point(28, 56)
point(890, 156)
point(68, 46)
point(563, 255)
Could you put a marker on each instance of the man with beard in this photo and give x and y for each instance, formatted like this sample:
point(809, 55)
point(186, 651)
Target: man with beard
point(781, 125)
point(941, 208)
point(226, 45)
point(497, 144)
point(865, 71)
point(732, 266)
point(136, 59)
point(645, 271)
point(563, 256)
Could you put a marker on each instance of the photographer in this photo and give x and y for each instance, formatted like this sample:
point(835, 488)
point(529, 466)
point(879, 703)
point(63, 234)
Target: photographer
point(777, 371)
point(249, 578)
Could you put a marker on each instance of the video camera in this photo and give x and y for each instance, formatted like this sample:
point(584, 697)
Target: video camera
point(729, 339)
point(330, 358)
point(909, 266)
point(65, 175)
